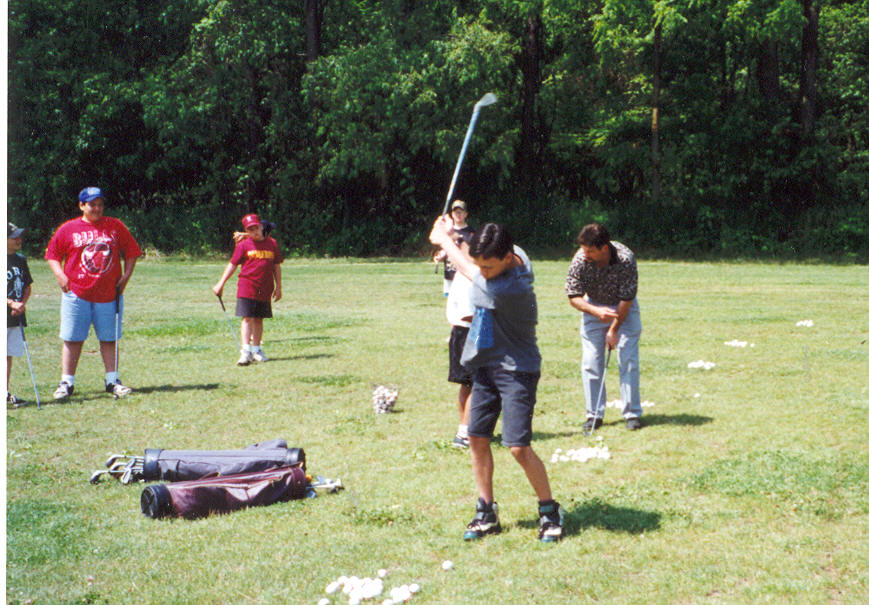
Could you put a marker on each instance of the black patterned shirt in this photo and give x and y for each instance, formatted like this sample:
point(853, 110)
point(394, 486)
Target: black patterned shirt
point(608, 286)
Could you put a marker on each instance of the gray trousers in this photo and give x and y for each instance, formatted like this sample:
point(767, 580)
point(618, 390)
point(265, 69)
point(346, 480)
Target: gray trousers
point(593, 334)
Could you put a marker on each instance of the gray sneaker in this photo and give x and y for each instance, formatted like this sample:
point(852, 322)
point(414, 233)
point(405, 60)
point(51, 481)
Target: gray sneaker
point(117, 389)
point(259, 356)
point(64, 390)
point(245, 359)
point(485, 522)
point(551, 522)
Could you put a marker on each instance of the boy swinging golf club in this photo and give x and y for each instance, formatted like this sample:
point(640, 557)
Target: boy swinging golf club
point(501, 349)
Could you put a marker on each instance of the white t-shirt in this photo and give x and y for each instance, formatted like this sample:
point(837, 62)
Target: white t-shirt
point(459, 303)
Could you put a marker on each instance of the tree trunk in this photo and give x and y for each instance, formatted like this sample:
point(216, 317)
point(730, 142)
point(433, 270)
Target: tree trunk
point(809, 71)
point(656, 98)
point(313, 22)
point(529, 137)
point(767, 71)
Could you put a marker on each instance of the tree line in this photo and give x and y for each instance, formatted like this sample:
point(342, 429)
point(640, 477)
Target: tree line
point(690, 127)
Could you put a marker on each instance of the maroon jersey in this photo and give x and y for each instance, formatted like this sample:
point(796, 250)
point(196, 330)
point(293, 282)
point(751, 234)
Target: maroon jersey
point(256, 279)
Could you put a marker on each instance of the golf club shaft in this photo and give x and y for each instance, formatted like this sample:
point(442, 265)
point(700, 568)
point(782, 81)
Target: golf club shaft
point(600, 391)
point(30, 365)
point(228, 322)
point(117, 325)
point(461, 159)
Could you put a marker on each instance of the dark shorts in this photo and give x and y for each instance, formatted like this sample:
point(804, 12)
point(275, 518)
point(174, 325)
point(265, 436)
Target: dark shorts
point(249, 307)
point(459, 373)
point(513, 393)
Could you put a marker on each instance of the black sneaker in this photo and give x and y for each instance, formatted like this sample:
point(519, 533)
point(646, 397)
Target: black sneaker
point(551, 521)
point(13, 401)
point(632, 424)
point(64, 390)
point(598, 422)
point(484, 522)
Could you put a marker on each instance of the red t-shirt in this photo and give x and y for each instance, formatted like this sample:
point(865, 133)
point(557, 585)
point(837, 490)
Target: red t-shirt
point(91, 255)
point(257, 259)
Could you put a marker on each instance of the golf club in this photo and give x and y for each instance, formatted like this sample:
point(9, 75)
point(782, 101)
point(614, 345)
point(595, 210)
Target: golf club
point(228, 322)
point(30, 365)
point(487, 99)
point(117, 328)
point(600, 393)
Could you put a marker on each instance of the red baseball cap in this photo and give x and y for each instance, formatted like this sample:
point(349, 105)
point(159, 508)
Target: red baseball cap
point(250, 220)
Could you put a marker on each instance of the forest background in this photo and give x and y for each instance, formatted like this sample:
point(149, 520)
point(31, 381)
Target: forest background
point(690, 127)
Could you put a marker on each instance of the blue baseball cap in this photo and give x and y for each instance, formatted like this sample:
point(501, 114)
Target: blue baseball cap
point(88, 194)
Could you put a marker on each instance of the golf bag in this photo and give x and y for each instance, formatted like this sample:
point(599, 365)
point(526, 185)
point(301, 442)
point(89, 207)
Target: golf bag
point(188, 465)
point(202, 497)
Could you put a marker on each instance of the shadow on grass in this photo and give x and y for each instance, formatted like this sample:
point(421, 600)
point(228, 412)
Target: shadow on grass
point(596, 513)
point(298, 357)
point(163, 388)
point(685, 419)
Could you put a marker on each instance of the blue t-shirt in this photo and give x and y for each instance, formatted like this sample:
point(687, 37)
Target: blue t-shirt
point(503, 331)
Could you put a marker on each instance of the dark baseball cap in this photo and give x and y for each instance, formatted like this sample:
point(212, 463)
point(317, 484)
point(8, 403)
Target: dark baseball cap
point(14, 231)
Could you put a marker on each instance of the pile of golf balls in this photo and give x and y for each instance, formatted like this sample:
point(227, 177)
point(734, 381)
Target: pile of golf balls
point(362, 589)
point(737, 343)
point(384, 399)
point(706, 365)
point(806, 323)
point(583, 454)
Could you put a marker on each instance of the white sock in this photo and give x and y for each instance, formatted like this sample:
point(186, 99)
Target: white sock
point(463, 431)
point(68, 379)
point(112, 377)
point(245, 348)
point(256, 349)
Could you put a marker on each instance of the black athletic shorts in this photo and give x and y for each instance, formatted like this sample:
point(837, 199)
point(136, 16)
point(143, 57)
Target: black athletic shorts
point(249, 307)
point(511, 395)
point(459, 373)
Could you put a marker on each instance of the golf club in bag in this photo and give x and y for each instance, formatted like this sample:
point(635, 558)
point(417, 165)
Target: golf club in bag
point(600, 393)
point(30, 365)
point(228, 322)
point(186, 465)
point(202, 497)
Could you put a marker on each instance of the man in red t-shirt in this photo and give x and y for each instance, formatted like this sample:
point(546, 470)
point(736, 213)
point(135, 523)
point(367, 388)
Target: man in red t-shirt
point(259, 282)
point(85, 254)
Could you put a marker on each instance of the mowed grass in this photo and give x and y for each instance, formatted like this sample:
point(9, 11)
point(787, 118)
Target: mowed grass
point(748, 483)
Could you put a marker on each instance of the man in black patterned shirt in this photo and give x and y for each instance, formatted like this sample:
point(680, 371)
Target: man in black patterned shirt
point(602, 284)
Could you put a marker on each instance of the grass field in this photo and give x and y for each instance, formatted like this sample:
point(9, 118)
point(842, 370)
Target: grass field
point(748, 483)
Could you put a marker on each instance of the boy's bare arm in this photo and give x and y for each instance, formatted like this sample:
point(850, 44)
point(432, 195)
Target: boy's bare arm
point(227, 273)
point(276, 295)
point(59, 275)
point(440, 236)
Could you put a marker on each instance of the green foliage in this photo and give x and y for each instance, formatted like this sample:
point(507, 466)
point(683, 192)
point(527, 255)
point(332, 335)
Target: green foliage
point(206, 109)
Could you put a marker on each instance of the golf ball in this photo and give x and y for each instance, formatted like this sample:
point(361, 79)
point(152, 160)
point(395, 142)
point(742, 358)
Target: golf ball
point(323, 601)
point(447, 565)
point(381, 573)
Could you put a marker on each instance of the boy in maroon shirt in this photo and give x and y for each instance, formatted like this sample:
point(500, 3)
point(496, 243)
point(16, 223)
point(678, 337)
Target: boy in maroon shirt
point(259, 282)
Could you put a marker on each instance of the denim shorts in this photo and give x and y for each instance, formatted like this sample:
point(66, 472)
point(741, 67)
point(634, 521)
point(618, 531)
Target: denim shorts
point(497, 390)
point(77, 315)
point(14, 342)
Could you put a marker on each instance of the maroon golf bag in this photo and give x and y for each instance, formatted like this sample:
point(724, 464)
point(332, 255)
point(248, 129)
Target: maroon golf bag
point(202, 497)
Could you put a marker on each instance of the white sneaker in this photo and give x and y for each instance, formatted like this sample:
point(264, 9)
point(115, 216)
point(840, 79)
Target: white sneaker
point(245, 359)
point(64, 390)
point(117, 389)
point(259, 356)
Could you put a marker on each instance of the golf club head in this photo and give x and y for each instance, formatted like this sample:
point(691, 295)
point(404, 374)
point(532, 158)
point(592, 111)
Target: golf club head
point(487, 99)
